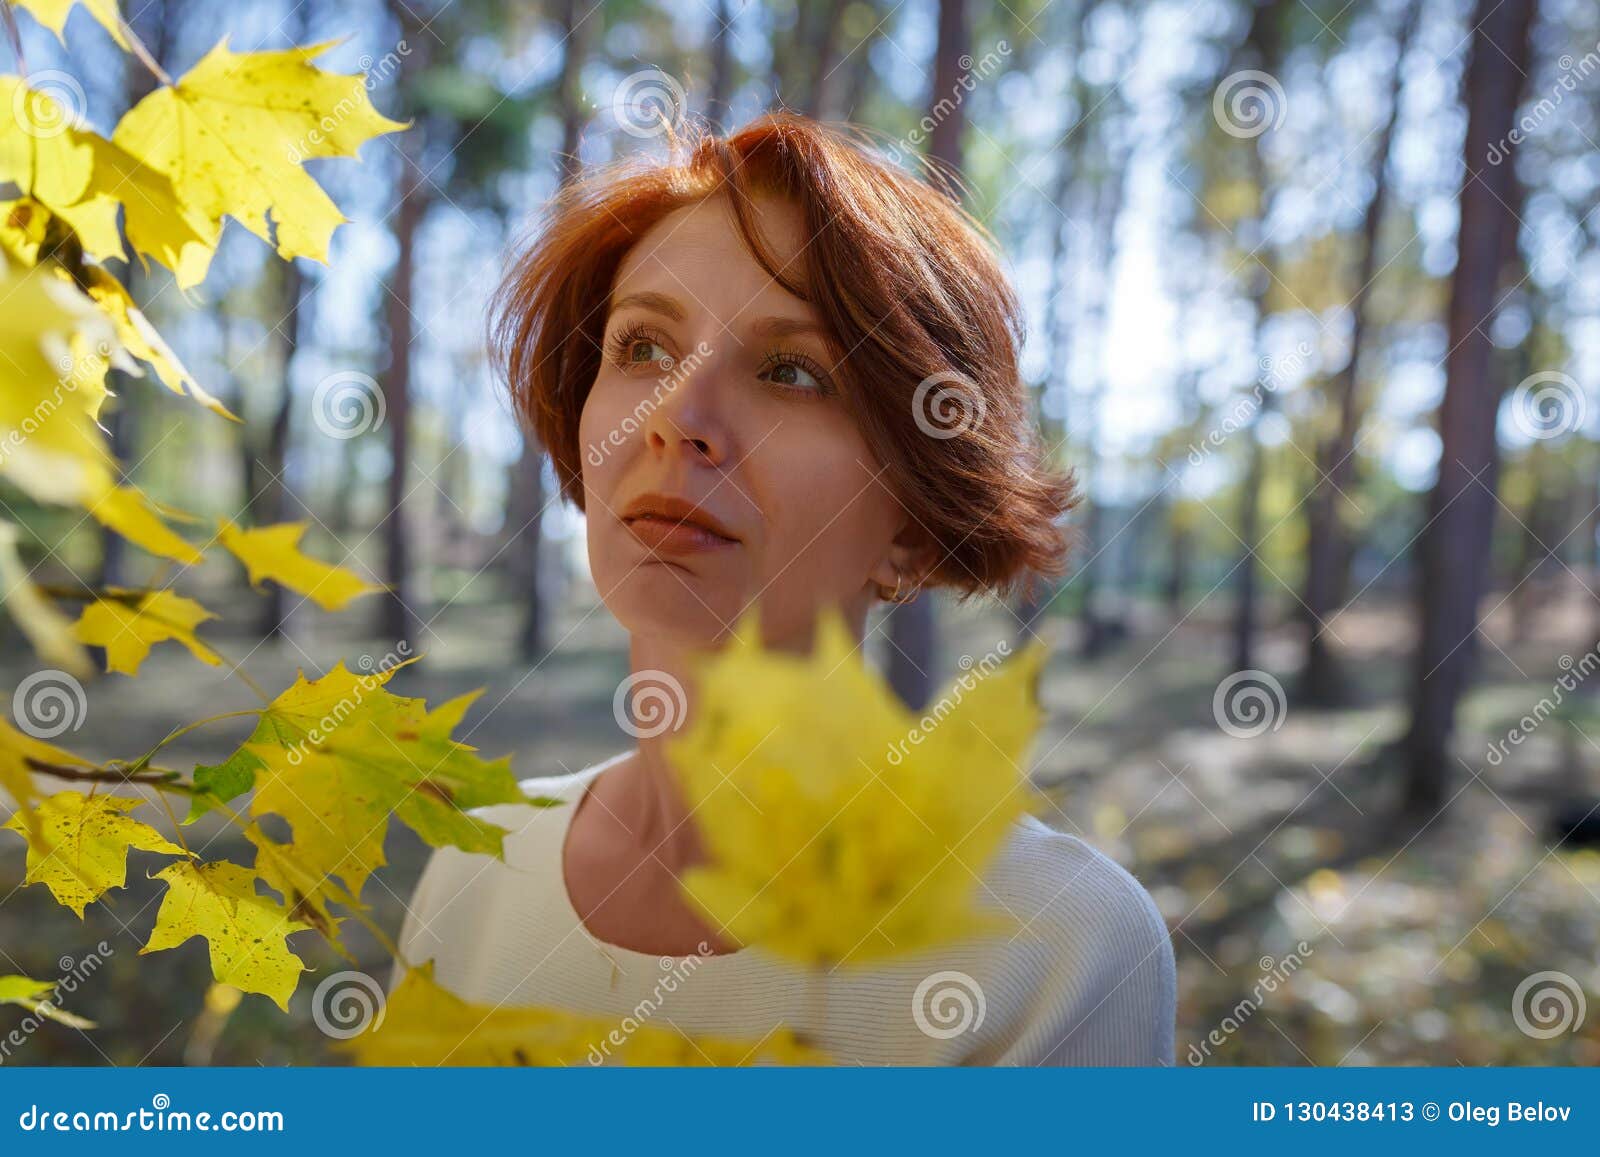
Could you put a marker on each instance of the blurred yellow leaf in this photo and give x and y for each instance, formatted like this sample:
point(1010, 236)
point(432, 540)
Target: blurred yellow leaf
point(424, 1024)
point(128, 627)
point(273, 552)
point(840, 828)
point(46, 628)
point(34, 995)
point(53, 15)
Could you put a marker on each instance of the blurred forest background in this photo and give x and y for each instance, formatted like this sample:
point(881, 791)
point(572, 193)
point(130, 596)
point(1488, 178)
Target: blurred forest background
point(1314, 301)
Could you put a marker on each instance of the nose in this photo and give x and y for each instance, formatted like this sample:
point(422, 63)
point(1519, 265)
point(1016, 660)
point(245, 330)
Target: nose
point(690, 414)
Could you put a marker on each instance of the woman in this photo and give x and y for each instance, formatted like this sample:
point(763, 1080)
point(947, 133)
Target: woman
point(781, 371)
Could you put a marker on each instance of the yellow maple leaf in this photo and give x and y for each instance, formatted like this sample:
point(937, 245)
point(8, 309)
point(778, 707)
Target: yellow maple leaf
point(52, 381)
point(36, 996)
point(160, 223)
point(128, 623)
point(127, 511)
point(338, 786)
point(53, 15)
point(46, 628)
point(273, 552)
point(840, 828)
point(305, 891)
point(81, 850)
point(245, 931)
point(426, 1024)
point(42, 153)
point(16, 775)
point(233, 131)
point(143, 341)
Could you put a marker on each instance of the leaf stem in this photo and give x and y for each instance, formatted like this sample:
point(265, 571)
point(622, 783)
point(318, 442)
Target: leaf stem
point(143, 53)
point(14, 35)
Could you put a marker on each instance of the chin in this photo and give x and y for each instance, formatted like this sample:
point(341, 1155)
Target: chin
point(664, 601)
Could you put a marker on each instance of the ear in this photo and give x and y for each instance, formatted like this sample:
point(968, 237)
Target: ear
point(912, 554)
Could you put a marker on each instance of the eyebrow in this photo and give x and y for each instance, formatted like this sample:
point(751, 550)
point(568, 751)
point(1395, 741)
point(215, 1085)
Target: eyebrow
point(670, 308)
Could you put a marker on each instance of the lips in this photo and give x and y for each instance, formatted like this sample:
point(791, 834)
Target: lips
point(673, 525)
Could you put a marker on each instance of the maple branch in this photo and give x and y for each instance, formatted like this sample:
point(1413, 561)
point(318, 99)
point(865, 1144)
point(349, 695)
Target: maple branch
point(143, 53)
point(149, 777)
point(9, 18)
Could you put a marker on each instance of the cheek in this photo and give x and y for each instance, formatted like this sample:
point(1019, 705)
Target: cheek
point(827, 511)
point(605, 430)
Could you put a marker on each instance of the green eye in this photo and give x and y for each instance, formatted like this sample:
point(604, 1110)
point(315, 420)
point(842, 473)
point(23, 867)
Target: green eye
point(791, 374)
point(644, 350)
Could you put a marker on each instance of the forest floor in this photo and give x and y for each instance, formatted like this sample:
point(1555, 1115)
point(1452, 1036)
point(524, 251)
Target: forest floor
point(1310, 926)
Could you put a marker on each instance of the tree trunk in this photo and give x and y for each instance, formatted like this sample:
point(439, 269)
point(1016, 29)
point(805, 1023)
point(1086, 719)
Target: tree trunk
point(1322, 681)
point(271, 501)
point(1454, 545)
point(912, 629)
point(398, 621)
point(527, 501)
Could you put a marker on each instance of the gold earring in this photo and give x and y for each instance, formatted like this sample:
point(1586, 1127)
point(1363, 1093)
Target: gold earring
point(897, 597)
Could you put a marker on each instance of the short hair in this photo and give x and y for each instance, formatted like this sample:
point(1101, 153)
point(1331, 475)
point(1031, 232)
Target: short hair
point(905, 281)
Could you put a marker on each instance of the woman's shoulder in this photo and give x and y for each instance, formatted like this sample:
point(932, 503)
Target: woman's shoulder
point(1060, 885)
point(1092, 949)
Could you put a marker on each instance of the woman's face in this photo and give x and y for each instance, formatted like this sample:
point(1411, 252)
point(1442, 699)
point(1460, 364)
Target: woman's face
point(718, 401)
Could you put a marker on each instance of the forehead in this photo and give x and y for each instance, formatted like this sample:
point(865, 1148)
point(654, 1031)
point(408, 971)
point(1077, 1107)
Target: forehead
point(697, 255)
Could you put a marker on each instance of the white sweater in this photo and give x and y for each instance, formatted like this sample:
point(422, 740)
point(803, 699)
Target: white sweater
point(1088, 980)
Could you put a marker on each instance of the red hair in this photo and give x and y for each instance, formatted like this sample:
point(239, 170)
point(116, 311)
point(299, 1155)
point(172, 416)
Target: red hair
point(905, 281)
